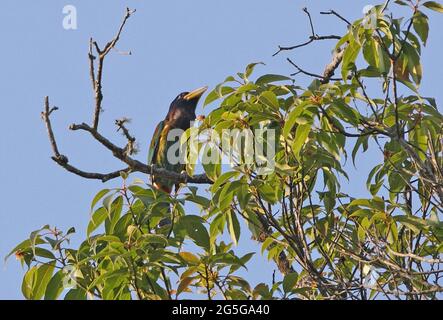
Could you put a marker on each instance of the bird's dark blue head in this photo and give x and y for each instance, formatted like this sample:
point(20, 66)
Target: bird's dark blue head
point(182, 109)
point(188, 100)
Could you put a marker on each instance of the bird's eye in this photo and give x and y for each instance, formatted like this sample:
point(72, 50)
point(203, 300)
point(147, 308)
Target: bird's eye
point(181, 96)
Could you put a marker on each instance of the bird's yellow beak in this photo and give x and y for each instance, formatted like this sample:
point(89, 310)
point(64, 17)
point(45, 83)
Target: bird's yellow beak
point(197, 93)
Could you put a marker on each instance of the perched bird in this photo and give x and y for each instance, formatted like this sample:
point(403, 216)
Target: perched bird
point(181, 113)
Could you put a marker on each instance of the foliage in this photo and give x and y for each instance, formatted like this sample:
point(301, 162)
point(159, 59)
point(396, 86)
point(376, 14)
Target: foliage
point(327, 244)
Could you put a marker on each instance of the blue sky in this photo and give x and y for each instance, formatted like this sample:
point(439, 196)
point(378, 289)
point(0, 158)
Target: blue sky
point(177, 46)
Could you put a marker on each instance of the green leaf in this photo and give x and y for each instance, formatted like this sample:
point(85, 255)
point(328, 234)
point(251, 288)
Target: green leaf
point(42, 252)
point(217, 225)
point(266, 244)
point(371, 52)
point(22, 246)
point(268, 78)
point(250, 68)
point(243, 196)
point(196, 230)
point(243, 89)
point(233, 227)
point(361, 213)
point(361, 233)
point(55, 286)
point(76, 294)
point(347, 113)
point(301, 134)
point(262, 289)
point(114, 214)
point(202, 201)
point(410, 85)
point(35, 235)
point(184, 284)
point(375, 188)
point(434, 6)
point(211, 161)
point(421, 26)
point(246, 258)
point(28, 282)
point(363, 140)
point(420, 140)
point(414, 223)
point(189, 258)
point(107, 203)
point(107, 277)
point(349, 57)
point(36, 279)
point(97, 219)
point(225, 196)
point(44, 275)
point(290, 281)
point(269, 99)
point(98, 197)
point(293, 118)
point(268, 193)
point(414, 65)
point(155, 238)
point(222, 179)
point(400, 2)
point(217, 93)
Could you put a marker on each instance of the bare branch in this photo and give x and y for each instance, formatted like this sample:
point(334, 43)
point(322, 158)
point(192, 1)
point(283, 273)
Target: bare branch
point(119, 153)
point(112, 43)
point(62, 160)
point(45, 116)
point(98, 90)
point(130, 146)
point(137, 166)
point(313, 37)
point(413, 256)
point(91, 64)
point(329, 71)
point(97, 79)
point(300, 70)
point(91, 175)
point(337, 15)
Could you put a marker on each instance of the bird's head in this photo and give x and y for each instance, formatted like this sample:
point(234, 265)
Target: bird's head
point(188, 100)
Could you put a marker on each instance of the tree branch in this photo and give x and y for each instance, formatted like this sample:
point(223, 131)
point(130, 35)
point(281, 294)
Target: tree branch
point(137, 166)
point(62, 160)
point(330, 68)
point(337, 15)
point(97, 79)
point(300, 70)
point(130, 146)
point(313, 37)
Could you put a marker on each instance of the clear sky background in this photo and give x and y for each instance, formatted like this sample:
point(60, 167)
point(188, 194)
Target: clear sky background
point(177, 46)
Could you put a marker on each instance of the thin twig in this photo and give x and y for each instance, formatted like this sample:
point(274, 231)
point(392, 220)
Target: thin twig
point(97, 79)
point(337, 15)
point(313, 37)
point(300, 70)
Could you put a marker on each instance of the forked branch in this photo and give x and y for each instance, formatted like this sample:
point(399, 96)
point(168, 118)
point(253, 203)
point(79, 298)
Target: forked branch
point(313, 37)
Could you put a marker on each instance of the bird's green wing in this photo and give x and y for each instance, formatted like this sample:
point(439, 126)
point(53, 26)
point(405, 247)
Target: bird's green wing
point(153, 148)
